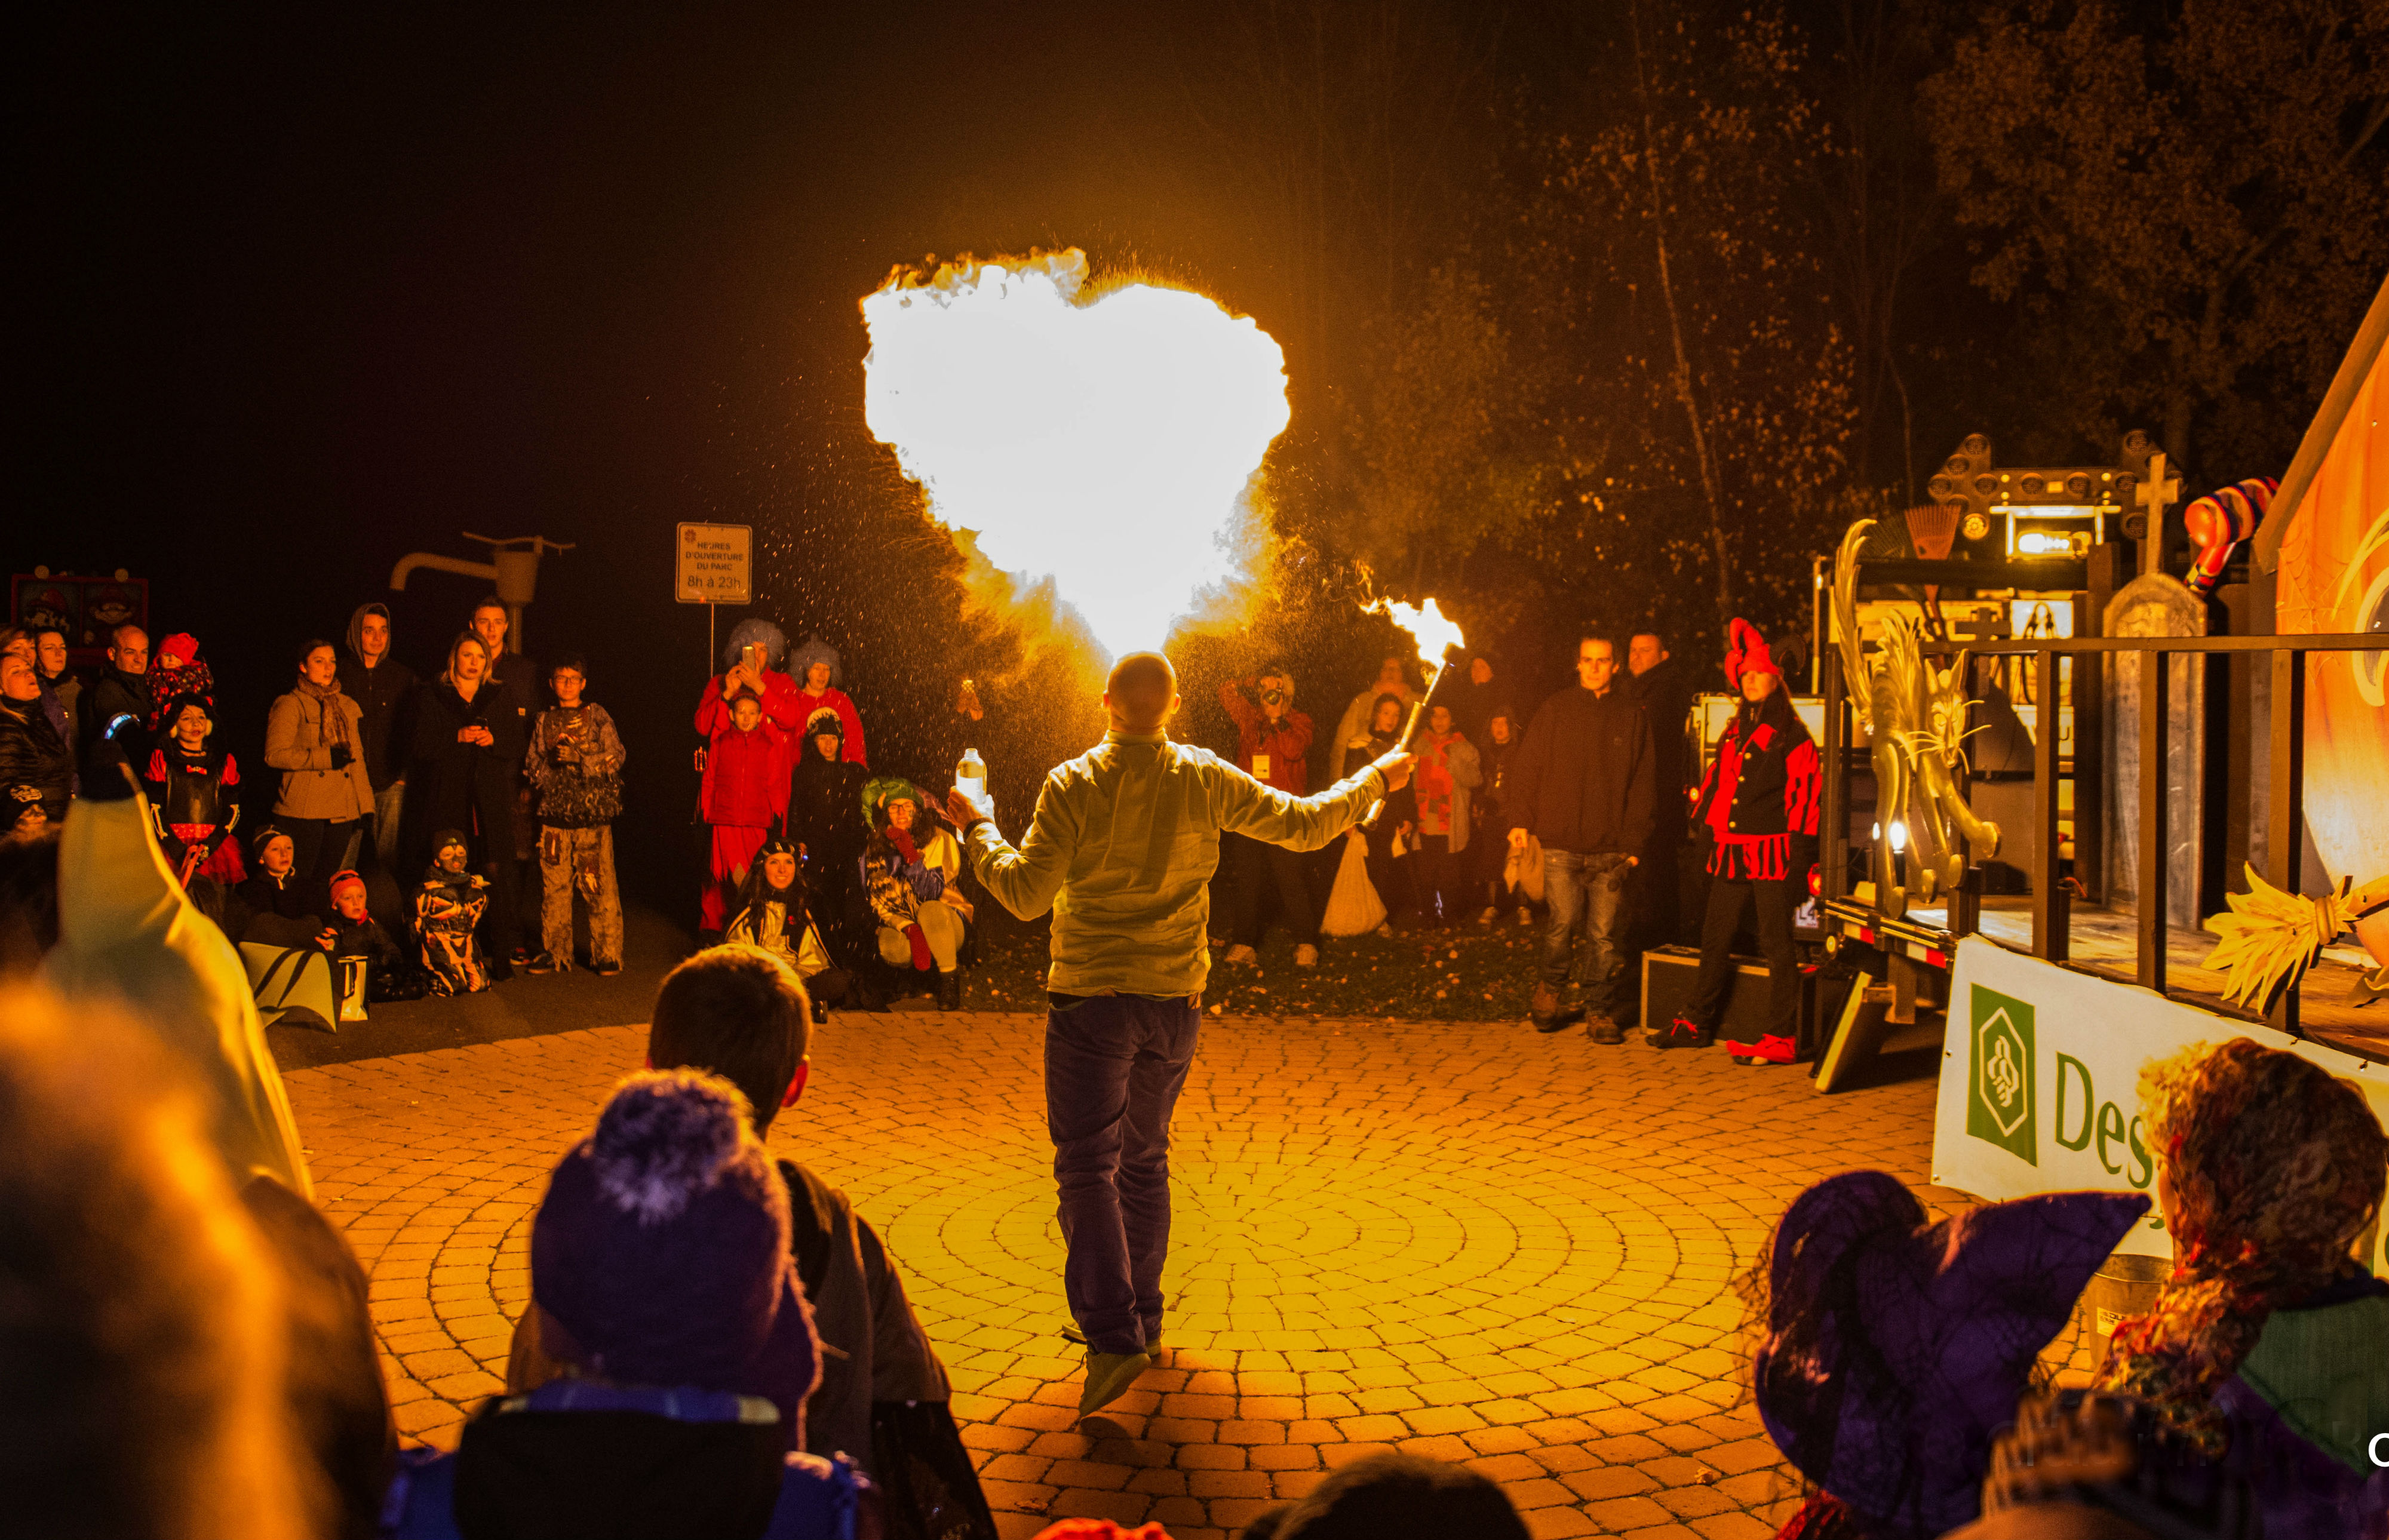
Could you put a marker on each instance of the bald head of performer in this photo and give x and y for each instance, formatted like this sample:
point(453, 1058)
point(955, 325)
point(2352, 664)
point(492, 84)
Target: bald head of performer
point(1141, 695)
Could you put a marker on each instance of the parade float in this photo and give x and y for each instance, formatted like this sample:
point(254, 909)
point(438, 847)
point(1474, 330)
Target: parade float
point(2104, 782)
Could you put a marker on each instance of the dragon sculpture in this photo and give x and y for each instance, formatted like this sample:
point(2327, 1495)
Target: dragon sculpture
point(1914, 716)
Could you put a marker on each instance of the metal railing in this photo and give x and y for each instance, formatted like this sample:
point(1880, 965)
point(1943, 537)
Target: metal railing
point(2285, 782)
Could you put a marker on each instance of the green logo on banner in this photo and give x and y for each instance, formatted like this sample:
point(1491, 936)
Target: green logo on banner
point(2001, 1108)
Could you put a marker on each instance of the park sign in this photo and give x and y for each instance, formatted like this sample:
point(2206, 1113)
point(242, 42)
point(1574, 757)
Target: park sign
point(2040, 1077)
point(713, 564)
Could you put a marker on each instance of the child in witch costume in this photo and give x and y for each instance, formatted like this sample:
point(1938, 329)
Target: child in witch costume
point(773, 914)
point(190, 784)
point(745, 793)
point(911, 869)
point(447, 908)
point(1758, 814)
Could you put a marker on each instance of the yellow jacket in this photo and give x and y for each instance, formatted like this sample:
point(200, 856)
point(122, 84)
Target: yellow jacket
point(1123, 844)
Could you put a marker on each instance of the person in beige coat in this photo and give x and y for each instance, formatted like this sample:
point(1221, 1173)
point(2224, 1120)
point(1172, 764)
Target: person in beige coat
point(313, 736)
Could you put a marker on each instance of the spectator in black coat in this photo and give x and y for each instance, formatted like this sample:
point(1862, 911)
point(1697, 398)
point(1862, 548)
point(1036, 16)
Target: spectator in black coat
point(463, 777)
point(37, 766)
point(512, 712)
point(384, 690)
point(1583, 783)
point(1669, 890)
point(62, 683)
point(122, 688)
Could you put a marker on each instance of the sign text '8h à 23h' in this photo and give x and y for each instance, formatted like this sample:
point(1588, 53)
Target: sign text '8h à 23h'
point(713, 564)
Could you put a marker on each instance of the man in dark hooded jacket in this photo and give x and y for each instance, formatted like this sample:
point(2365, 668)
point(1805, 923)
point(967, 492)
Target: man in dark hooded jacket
point(384, 691)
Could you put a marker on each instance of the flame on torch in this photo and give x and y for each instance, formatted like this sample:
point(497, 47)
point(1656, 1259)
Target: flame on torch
point(1437, 639)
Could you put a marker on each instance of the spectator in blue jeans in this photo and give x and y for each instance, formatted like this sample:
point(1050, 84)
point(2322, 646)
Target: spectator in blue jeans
point(1122, 848)
point(1583, 783)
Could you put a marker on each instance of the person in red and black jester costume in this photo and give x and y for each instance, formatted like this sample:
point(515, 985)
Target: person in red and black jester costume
point(1758, 816)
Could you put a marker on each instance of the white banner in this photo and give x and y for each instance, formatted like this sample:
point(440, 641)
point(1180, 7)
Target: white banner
point(2040, 1082)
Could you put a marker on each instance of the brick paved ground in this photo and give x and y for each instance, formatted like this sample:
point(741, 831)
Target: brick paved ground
point(1465, 1240)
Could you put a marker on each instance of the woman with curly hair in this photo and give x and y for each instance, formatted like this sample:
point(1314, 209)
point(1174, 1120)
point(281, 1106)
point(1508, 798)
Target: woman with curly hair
point(2267, 1333)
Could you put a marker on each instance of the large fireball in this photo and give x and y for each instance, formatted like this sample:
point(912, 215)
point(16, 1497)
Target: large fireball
point(1108, 446)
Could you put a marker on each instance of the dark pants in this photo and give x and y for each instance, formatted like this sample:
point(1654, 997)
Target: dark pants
point(1254, 867)
point(1440, 888)
point(502, 922)
point(1114, 1066)
point(1590, 889)
point(1389, 874)
point(319, 846)
point(1775, 901)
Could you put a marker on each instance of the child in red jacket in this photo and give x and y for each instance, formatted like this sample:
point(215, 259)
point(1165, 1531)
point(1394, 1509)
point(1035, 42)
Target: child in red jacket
point(745, 792)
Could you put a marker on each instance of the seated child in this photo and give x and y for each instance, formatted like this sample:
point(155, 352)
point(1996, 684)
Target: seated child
point(1895, 1349)
point(662, 1279)
point(356, 940)
point(447, 908)
point(277, 912)
point(190, 784)
point(773, 914)
point(911, 868)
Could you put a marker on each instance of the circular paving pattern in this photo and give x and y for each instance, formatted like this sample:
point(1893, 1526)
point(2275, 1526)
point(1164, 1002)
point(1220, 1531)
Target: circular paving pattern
point(1463, 1240)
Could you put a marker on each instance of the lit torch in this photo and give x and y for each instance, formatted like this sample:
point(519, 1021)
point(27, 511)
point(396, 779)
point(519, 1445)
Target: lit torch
point(1438, 641)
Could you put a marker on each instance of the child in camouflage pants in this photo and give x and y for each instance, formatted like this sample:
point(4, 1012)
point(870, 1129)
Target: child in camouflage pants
point(575, 766)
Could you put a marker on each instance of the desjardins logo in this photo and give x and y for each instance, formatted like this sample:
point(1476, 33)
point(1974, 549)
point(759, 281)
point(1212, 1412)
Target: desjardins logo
point(2001, 1094)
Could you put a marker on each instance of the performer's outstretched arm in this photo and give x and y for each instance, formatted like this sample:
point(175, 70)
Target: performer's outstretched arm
point(1025, 880)
point(1246, 807)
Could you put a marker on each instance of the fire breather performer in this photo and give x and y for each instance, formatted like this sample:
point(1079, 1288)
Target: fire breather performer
point(1758, 815)
point(1122, 848)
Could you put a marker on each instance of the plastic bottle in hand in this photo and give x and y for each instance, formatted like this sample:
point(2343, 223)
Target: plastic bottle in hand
point(970, 779)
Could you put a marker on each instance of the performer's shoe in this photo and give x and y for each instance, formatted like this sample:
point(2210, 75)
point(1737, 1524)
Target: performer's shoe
point(606, 968)
point(1241, 956)
point(1489, 915)
point(1549, 1013)
point(1109, 1375)
point(1681, 1033)
point(546, 962)
point(1153, 1348)
point(1306, 956)
point(1604, 1029)
point(949, 990)
point(821, 1013)
point(1768, 1049)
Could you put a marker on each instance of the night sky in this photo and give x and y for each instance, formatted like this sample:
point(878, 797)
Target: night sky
point(299, 295)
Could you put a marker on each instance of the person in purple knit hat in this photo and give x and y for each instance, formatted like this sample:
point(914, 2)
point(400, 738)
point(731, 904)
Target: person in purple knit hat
point(660, 1270)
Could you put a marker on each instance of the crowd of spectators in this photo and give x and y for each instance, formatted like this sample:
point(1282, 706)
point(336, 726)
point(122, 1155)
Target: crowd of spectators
point(720, 1343)
point(715, 1333)
point(472, 812)
point(1573, 815)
